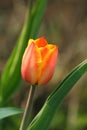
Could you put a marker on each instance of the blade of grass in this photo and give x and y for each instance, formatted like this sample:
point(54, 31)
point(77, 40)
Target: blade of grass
point(11, 77)
point(45, 116)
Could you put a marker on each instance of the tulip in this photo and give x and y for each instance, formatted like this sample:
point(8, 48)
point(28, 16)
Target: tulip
point(39, 61)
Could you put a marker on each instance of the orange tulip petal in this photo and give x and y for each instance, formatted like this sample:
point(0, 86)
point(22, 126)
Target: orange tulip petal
point(32, 61)
point(25, 61)
point(43, 51)
point(41, 42)
point(48, 64)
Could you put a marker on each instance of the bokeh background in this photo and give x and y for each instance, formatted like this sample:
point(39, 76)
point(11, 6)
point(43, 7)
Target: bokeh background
point(65, 24)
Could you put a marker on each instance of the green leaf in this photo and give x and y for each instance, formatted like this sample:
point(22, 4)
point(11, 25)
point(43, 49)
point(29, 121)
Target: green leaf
point(11, 77)
point(9, 111)
point(45, 116)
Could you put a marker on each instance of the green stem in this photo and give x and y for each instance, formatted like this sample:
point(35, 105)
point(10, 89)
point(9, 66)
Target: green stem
point(26, 116)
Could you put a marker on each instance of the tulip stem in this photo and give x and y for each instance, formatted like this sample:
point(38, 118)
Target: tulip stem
point(26, 117)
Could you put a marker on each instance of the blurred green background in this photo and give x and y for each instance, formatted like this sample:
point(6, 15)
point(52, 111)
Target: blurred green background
point(64, 24)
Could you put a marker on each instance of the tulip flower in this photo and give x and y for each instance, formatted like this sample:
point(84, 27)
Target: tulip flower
point(39, 61)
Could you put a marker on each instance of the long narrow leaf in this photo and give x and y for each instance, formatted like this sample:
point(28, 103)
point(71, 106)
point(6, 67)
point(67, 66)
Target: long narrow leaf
point(9, 111)
point(45, 116)
point(11, 76)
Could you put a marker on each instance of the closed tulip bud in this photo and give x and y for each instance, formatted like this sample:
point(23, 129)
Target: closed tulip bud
point(39, 61)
